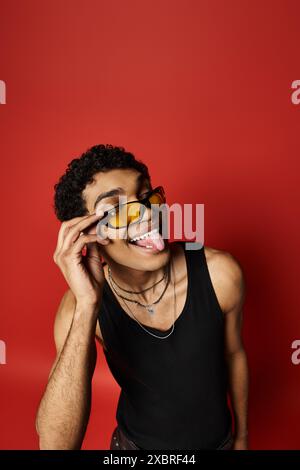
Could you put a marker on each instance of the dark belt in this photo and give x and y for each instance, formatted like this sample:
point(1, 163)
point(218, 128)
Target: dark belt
point(121, 442)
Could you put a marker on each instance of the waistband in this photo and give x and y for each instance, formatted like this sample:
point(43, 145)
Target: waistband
point(119, 441)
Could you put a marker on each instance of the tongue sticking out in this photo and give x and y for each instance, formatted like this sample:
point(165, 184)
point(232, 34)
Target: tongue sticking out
point(153, 242)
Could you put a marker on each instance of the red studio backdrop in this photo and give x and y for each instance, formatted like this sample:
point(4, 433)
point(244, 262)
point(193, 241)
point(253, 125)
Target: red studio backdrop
point(206, 93)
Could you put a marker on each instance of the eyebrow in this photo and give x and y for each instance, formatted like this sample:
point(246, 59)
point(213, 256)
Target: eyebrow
point(117, 191)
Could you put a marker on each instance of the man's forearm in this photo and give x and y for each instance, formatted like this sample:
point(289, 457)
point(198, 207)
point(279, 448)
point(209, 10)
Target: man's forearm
point(238, 387)
point(64, 410)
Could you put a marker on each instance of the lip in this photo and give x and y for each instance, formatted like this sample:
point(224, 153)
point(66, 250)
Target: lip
point(143, 249)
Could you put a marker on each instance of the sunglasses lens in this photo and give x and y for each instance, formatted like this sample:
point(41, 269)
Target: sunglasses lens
point(127, 214)
point(115, 220)
point(133, 211)
point(156, 198)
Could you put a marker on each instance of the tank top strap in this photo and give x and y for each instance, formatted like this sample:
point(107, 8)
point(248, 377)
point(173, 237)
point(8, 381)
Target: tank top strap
point(196, 260)
point(201, 282)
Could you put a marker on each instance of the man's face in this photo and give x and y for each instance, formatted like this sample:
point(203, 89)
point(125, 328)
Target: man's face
point(104, 193)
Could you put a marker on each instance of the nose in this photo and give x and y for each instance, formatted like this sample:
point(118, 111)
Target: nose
point(145, 224)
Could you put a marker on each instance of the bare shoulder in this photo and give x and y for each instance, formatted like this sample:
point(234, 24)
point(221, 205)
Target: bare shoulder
point(64, 317)
point(227, 277)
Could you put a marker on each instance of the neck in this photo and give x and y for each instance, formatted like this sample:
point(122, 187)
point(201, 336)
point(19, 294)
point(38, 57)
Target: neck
point(135, 279)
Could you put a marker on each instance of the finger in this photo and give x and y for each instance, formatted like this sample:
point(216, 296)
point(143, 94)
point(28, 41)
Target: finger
point(65, 226)
point(94, 228)
point(83, 240)
point(93, 261)
point(74, 231)
point(93, 250)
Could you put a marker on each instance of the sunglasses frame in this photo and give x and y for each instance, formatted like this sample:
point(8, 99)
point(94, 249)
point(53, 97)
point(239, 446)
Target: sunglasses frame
point(145, 202)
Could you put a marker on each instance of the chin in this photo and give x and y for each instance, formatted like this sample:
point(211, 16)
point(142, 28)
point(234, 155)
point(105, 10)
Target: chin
point(148, 259)
point(136, 257)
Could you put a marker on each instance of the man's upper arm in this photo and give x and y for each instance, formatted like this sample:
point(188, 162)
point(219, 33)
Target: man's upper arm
point(229, 283)
point(234, 306)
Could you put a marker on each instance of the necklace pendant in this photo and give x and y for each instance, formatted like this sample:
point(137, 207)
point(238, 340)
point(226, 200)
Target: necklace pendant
point(150, 309)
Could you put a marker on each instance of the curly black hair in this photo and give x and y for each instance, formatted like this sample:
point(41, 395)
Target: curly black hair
point(68, 201)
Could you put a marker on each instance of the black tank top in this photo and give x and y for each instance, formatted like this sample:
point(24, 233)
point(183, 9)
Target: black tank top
point(174, 390)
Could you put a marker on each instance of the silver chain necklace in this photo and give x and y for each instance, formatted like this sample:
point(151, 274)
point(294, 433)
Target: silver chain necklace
point(140, 291)
point(173, 326)
point(149, 307)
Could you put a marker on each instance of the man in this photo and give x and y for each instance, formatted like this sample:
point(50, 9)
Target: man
point(169, 319)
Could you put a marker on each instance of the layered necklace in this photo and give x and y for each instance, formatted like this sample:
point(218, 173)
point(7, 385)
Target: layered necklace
point(149, 307)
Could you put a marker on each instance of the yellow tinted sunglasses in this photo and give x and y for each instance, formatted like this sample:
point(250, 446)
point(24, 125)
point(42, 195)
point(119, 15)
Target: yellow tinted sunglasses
point(132, 212)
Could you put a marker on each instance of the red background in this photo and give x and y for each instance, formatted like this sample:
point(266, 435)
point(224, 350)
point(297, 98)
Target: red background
point(199, 90)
